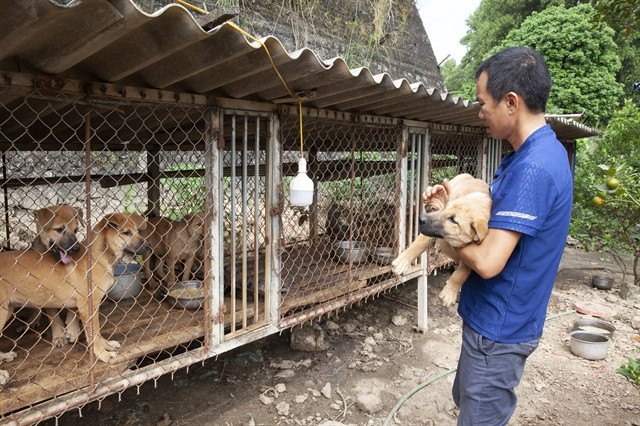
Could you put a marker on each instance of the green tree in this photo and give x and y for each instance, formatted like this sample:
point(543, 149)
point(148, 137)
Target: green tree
point(623, 14)
point(453, 76)
point(629, 53)
point(488, 26)
point(606, 212)
point(583, 60)
point(624, 17)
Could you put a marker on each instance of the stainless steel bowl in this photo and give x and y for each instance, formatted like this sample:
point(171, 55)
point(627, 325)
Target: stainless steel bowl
point(186, 295)
point(595, 326)
point(383, 255)
point(351, 252)
point(589, 345)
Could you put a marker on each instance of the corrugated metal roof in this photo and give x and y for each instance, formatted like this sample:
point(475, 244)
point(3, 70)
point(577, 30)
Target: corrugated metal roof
point(114, 41)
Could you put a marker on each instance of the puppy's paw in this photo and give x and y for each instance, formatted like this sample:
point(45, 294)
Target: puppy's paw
point(152, 284)
point(59, 342)
point(435, 205)
point(72, 331)
point(8, 356)
point(4, 377)
point(448, 296)
point(400, 265)
point(105, 349)
point(104, 355)
point(112, 345)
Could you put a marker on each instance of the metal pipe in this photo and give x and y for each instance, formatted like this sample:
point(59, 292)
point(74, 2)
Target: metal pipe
point(90, 237)
point(81, 397)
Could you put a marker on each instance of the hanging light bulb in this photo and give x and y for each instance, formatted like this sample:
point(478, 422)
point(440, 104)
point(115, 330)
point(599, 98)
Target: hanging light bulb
point(301, 188)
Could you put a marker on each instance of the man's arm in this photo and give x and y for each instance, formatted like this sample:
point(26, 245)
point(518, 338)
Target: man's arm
point(490, 256)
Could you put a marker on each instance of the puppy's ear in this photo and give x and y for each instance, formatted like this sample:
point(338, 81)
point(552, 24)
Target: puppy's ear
point(141, 222)
point(79, 214)
point(115, 220)
point(43, 216)
point(480, 228)
point(445, 183)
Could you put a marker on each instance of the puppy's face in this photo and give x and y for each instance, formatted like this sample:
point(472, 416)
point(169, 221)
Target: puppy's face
point(57, 228)
point(123, 233)
point(460, 222)
point(195, 224)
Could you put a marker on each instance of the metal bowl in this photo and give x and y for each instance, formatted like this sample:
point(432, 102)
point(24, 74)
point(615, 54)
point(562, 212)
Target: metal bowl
point(383, 255)
point(588, 345)
point(128, 282)
point(602, 282)
point(186, 295)
point(351, 252)
point(595, 326)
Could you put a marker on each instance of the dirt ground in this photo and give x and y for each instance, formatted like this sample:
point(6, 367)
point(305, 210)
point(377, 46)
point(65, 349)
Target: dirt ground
point(377, 366)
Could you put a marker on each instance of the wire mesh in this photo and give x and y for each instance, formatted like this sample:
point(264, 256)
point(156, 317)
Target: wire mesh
point(452, 154)
point(337, 246)
point(88, 183)
point(81, 303)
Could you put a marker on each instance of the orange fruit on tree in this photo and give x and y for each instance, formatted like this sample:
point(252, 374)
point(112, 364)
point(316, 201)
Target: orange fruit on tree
point(613, 183)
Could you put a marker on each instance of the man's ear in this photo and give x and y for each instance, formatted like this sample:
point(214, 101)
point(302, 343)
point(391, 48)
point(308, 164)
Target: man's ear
point(513, 100)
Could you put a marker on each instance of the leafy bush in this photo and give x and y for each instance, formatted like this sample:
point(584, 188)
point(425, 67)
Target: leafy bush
point(187, 192)
point(631, 370)
point(607, 191)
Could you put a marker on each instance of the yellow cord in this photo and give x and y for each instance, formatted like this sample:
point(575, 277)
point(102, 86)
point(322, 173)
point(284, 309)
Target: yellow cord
point(300, 115)
point(273, 64)
point(197, 9)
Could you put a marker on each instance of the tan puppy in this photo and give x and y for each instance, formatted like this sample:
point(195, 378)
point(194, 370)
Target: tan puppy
point(171, 241)
point(57, 228)
point(460, 218)
point(29, 279)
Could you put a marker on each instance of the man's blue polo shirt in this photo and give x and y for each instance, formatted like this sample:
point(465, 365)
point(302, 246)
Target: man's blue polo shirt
point(532, 194)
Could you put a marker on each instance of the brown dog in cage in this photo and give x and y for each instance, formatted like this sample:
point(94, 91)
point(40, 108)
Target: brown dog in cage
point(467, 199)
point(172, 241)
point(27, 278)
point(57, 229)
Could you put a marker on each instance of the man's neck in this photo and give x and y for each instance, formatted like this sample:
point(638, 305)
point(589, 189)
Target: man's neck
point(528, 124)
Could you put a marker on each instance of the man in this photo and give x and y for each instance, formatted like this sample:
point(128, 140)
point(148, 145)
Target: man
point(503, 302)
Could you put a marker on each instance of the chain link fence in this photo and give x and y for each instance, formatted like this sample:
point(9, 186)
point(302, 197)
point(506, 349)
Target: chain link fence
point(81, 303)
point(345, 241)
point(90, 181)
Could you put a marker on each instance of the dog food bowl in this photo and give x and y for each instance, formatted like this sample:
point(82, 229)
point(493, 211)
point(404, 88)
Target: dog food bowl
point(186, 295)
point(602, 282)
point(589, 345)
point(128, 282)
point(383, 255)
point(351, 251)
point(594, 325)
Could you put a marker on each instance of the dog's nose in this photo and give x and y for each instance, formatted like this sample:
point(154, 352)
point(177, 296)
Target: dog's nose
point(143, 248)
point(74, 248)
point(422, 219)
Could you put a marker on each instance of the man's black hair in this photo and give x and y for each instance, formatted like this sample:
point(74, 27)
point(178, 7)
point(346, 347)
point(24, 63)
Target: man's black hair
point(521, 70)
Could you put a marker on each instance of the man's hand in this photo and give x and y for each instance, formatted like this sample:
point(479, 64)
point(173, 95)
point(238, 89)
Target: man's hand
point(435, 197)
